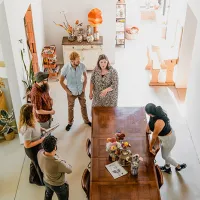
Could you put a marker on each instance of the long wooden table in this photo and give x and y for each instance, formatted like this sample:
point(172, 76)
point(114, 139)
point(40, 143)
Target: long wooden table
point(132, 121)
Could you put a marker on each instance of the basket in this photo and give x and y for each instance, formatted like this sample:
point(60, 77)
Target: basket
point(131, 33)
point(10, 136)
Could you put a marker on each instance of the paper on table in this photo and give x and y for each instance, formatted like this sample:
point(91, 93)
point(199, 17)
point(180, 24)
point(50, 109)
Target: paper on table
point(116, 170)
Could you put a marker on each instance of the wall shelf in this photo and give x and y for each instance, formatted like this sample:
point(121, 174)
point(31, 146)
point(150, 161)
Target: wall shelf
point(120, 23)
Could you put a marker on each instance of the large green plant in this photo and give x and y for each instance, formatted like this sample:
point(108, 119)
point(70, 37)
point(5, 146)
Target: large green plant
point(29, 74)
point(7, 122)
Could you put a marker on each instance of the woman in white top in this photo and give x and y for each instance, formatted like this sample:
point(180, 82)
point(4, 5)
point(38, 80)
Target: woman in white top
point(31, 133)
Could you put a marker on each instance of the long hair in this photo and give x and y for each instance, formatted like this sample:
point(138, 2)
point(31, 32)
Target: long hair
point(156, 111)
point(26, 116)
point(103, 57)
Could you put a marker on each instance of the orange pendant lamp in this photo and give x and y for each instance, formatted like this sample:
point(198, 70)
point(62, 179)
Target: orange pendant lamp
point(95, 18)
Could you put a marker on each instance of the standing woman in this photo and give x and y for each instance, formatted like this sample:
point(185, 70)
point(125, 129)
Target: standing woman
point(104, 84)
point(31, 133)
point(159, 124)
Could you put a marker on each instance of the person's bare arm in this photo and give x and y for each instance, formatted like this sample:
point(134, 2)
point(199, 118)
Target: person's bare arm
point(91, 90)
point(148, 129)
point(62, 79)
point(85, 81)
point(159, 125)
point(45, 112)
point(29, 144)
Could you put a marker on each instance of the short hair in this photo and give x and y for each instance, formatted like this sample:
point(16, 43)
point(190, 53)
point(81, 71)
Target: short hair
point(49, 143)
point(73, 56)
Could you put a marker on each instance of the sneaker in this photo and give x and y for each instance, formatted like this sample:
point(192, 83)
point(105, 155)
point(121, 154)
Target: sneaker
point(89, 124)
point(68, 127)
point(182, 166)
point(164, 169)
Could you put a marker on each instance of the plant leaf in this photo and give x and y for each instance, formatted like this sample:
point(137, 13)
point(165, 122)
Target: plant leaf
point(25, 83)
point(4, 113)
point(3, 121)
point(22, 56)
point(5, 130)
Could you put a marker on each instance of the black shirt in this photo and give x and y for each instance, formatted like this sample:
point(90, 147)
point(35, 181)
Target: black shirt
point(166, 129)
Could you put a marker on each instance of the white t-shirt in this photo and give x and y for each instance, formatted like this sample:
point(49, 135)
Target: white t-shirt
point(30, 133)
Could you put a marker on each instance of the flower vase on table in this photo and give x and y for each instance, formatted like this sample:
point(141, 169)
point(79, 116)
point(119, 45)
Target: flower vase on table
point(71, 38)
point(135, 161)
point(113, 148)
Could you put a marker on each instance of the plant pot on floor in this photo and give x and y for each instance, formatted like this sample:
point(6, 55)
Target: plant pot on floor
point(10, 136)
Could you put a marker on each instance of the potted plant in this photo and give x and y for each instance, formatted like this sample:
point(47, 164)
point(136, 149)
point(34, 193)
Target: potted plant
point(29, 78)
point(7, 127)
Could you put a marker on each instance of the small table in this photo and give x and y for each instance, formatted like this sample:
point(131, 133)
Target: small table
point(132, 121)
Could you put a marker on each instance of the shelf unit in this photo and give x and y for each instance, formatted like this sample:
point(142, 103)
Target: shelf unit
point(120, 23)
point(49, 61)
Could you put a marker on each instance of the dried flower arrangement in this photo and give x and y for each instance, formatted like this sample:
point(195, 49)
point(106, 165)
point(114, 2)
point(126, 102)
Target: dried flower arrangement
point(70, 30)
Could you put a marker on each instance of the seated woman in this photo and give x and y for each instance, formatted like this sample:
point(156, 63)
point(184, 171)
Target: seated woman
point(159, 124)
point(31, 133)
point(104, 84)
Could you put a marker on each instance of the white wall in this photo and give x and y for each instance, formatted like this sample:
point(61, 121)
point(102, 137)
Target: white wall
point(187, 45)
point(78, 9)
point(1, 53)
point(3, 73)
point(9, 60)
point(133, 13)
point(174, 16)
point(193, 92)
point(12, 14)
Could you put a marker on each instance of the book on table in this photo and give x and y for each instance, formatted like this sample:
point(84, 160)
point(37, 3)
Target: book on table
point(116, 169)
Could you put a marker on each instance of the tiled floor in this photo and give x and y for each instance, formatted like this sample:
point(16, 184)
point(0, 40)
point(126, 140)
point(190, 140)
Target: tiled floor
point(133, 91)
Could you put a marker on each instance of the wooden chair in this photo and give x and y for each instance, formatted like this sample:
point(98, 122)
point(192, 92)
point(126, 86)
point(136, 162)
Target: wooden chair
point(85, 182)
point(88, 147)
point(159, 176)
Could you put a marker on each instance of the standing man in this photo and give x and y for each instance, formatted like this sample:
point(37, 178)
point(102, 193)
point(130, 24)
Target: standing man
point(42, 102)
point(74, 72)
point(54, 169)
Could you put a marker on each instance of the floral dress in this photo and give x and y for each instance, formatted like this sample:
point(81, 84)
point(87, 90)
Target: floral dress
point(101, 82)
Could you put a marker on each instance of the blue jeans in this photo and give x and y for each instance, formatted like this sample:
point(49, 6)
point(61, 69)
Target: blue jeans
point(62, 191)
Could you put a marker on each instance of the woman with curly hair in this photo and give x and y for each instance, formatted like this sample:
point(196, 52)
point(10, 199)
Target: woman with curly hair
point(159, 124)
point(31, 132)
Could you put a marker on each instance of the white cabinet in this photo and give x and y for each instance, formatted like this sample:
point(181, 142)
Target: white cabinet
point(89, 52)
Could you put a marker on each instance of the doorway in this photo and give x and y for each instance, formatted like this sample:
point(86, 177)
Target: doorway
point(28, 23)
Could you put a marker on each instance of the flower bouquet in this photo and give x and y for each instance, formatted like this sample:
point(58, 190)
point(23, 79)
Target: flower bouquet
point(113, 148)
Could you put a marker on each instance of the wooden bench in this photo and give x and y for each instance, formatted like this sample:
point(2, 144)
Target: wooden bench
point(155, 69)
point(161, 59)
